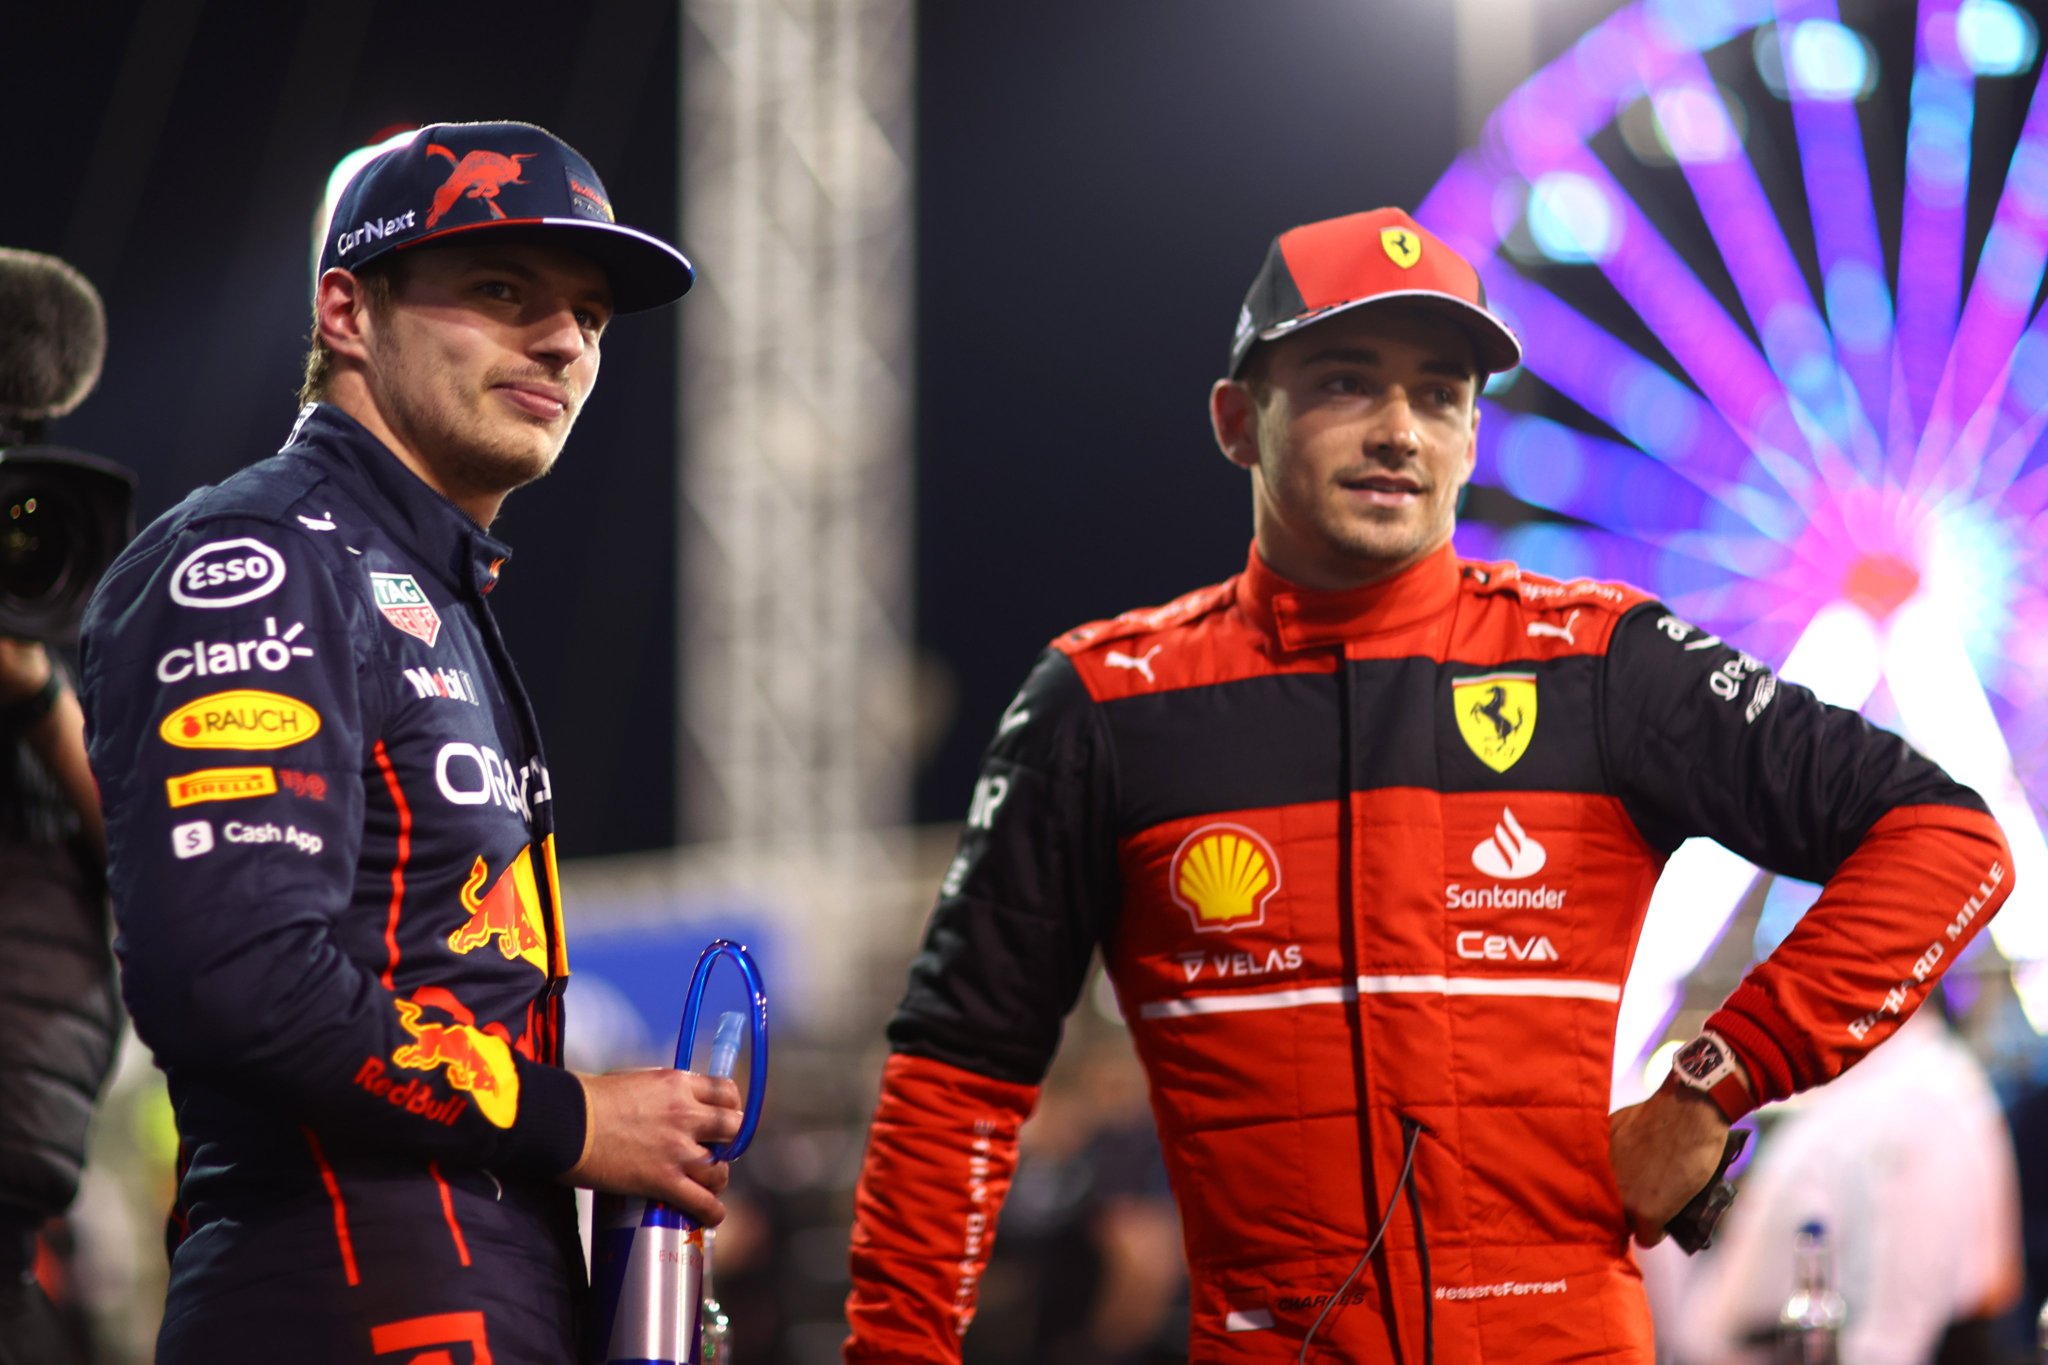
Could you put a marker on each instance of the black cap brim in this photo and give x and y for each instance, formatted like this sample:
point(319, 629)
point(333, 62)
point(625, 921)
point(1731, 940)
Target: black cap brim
point(644, 271)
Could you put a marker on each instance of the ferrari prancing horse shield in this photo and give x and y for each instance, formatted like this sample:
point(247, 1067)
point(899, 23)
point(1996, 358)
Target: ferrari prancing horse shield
point(1403, 247)
point(1497, 716)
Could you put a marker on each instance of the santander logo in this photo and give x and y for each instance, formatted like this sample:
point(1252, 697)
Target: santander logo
point(1510, 854)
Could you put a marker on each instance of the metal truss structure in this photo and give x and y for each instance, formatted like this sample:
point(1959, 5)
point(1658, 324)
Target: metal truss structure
point(795, 521)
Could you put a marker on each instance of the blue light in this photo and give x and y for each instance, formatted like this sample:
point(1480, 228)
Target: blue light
point(1996, 38)
point(1653, 410)
point(1571, 219)
point(1696, 25)
point(2029, 382)
point(1538, 462)
point(1785, 904)
point(1553, 550)
point(1693, 123)
point(1859, 305)
point(1825, 60)
point(1938, 143)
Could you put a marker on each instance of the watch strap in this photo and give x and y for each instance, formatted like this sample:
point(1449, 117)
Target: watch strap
point(21, 716)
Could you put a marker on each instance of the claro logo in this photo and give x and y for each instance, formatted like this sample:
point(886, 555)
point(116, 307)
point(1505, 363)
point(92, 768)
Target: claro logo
point(227, 573)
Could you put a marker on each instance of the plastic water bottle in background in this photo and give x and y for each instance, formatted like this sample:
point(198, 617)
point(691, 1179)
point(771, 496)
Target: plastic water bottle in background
point(2041, 1333)
point(1810, 1324)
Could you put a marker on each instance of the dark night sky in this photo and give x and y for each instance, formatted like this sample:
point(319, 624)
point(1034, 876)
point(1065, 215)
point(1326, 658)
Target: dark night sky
point(1097, 183)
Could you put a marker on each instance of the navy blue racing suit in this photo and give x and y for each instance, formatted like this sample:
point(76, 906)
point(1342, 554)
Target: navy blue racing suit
point(334, 887)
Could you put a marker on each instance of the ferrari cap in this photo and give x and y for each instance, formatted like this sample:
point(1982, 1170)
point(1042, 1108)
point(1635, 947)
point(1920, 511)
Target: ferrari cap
point(1319, 270)
point(452, 178)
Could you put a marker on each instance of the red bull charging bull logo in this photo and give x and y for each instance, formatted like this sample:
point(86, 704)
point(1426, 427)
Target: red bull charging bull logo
point(508, 913)
point(478, 1062)
point(477, 175)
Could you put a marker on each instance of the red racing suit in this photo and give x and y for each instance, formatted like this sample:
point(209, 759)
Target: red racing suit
point(332, 864)
point(1367, 869)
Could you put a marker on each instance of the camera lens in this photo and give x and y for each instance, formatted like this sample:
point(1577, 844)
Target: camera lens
point(41, 528)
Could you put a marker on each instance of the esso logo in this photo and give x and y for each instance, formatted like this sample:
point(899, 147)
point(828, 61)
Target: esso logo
point(227, 573)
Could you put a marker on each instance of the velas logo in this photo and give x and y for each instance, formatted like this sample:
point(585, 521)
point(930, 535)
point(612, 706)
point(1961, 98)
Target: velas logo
point(1510, 854)
point(1223, 875)
point(405, 605)
point(220, 784)
point(477, 175)
point(508, 913)
point(227, 573)
point(1497, 716)
point(476, 1061)
point(1403, 248)
point(241, 719)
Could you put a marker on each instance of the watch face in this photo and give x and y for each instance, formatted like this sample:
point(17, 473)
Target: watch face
point(1699, 1060)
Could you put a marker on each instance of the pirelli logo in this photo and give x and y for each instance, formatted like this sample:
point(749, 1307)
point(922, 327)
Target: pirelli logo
point(220, 784)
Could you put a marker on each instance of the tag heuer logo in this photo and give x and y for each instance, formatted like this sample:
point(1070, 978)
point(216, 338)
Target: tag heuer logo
point(404, 605)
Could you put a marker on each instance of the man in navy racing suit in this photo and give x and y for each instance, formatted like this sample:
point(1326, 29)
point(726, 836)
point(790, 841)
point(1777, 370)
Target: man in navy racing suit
point(330, 818)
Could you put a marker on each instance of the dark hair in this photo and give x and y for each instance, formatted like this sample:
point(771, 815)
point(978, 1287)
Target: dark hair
point(379, 281)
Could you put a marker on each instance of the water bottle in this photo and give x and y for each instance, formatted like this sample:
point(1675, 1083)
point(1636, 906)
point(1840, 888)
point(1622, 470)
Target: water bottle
point(651, 1268)
point(1810, 1324)
point(2041, 1332)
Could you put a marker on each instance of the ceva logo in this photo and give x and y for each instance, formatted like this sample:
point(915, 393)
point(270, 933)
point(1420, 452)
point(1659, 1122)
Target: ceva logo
point(1510, 854)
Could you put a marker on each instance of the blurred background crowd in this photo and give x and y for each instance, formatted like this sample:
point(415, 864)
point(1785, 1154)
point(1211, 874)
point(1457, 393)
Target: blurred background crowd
point(966, 271)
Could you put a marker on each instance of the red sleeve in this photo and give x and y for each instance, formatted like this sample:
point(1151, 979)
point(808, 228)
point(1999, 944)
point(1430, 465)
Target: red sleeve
point(1902, 907)
point(941, 1152)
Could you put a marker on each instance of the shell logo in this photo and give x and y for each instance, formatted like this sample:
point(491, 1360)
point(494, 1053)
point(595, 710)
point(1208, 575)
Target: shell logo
point(1223, 875)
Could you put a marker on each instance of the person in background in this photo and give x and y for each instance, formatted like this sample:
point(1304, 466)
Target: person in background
point(1907, 1164)
point(60, 1017)
point(1365, 834)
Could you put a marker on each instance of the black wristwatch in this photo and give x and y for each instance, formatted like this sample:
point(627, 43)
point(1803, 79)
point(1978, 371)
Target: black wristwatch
point(1707, 1064)
point(19, 717)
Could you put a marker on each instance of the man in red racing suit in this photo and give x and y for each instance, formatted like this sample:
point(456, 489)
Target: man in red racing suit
point(1365, 835)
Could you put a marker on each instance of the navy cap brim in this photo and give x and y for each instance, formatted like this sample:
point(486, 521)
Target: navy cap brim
point(644, 271)
point(1494, 347)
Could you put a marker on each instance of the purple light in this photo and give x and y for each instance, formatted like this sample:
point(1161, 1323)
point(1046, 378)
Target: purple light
point(2002, 291)
point(1931, 229)
point(1845, 231)
point(1785, 447)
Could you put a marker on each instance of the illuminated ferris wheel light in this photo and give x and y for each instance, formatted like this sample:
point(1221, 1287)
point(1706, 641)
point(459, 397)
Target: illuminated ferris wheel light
point(1996, 38)
point(1816, 445)
point(1816, 59)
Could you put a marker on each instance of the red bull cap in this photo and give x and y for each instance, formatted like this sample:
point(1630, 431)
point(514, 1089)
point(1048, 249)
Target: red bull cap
point(457, 178)
point(1319, 270)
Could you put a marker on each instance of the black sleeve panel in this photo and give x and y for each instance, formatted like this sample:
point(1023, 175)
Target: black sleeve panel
point(1702, 739)
point(1030, 893)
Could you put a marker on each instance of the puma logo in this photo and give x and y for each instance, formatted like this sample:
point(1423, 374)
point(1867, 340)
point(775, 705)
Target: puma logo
point(1563, 632)
point(1116, 658)
point(478, 175)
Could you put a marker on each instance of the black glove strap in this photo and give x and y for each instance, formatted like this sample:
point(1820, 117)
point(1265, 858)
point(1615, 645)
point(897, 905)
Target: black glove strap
point(19, 717)
point(1692, 1227)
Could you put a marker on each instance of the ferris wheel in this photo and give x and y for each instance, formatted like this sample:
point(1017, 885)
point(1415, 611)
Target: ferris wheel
point(1778, 267)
